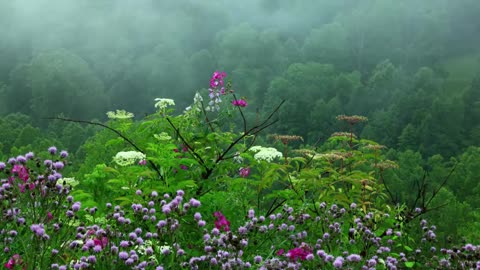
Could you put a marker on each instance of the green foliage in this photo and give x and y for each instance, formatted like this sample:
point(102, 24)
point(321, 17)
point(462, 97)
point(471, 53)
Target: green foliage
point(57, 78)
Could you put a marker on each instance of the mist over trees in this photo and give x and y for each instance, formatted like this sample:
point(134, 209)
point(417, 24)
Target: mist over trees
point(412, 67)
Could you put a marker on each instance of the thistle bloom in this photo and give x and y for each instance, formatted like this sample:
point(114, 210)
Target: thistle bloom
point(63, 154)
point(29, 155)
point(52, 150)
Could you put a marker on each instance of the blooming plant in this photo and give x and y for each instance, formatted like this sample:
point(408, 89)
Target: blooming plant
point(190, 192)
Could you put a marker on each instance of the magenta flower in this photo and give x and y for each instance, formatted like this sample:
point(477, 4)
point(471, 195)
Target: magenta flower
point(14, 260)
point(142, 162)
point(221, 222)
point(217, 79)
point(299, 253)
point(101, 242)
point(240, 103)
point(244, 172)
point(21, 171)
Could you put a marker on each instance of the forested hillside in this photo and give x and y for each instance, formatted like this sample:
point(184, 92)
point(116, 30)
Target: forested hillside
point(411, 67)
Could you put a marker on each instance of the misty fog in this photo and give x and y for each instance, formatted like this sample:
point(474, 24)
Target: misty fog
point(412, 67)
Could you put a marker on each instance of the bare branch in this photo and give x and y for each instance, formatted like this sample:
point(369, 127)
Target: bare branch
point(199, 158)
point(241, 113)
point(116, 132)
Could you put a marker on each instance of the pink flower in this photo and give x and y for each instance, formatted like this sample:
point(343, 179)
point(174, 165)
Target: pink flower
point(21, 172)
point(142, 162)
point(299, 253)
point(244, 172)
point(217, 79)
point(240, 103)
point(221, 222)
point(14, 260)
point(102, 243)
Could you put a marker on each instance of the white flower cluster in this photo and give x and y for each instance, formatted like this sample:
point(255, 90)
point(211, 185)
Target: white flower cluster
point(163, 136)
point(119, 114)
point(214, 103)
point(266, 153)
point(128, 157)
point(68, 181)
point(163, 103)
point(197, 104)
point(142, 249)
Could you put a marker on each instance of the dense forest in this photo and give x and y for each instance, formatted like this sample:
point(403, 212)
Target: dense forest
point(411, 67)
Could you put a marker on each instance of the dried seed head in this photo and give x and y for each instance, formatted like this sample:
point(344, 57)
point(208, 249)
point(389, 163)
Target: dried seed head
point(305, 152)
point(374, 147)
point(352, 119)
point(286, 138)
point(386, 164)
point(343, 134)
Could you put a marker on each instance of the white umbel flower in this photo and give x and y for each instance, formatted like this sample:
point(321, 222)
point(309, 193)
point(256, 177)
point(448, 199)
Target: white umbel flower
point(119, 114)
point(266, 153)
point(68, 181)
point(128, 157)
point(163, 103)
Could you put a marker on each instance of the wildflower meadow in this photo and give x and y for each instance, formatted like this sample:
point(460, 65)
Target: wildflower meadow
point(211, 188)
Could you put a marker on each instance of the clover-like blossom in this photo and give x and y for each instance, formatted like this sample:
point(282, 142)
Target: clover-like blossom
point(217, 80)
point(21, 171)
point(239, 103)
point(244, 172)
point(299, 253)
point(14, 260)
point(221, 222)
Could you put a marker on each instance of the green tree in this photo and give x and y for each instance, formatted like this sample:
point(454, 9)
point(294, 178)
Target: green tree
point(327, 44)
point(408, 139)
point(62, 82)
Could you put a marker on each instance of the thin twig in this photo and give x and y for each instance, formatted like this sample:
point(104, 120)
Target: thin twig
point(206, 117)
point(241, 113)
point(200, 160)
point(435, 192)
point(386, 187)
point(116, 132)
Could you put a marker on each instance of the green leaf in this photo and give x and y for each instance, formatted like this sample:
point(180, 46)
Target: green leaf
point(409, 264)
